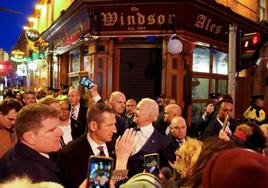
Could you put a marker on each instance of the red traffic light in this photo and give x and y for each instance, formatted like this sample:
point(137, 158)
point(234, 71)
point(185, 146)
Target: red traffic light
point(250, 40)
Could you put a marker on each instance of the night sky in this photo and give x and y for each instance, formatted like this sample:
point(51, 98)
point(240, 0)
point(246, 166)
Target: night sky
point(11, 23)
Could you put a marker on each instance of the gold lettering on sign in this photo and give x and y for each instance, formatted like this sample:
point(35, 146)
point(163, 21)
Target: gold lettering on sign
point(131, 20)
point(160, 19)
point(140, 19)
point(134, 19)
point(122, 19)
point(151, 19)
point(108, 19)
point(207, 24)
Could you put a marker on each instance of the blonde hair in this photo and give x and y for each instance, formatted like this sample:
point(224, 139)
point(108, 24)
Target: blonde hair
point(264, 128)
point(25, 182)
point(187, 156)
point(246, 129)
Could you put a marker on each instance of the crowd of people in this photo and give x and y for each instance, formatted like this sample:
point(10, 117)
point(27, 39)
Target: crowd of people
point(49, 136)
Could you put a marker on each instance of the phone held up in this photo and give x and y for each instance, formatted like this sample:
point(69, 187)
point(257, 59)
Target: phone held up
point(151, 163)
point(99, 171)
point(86, 82)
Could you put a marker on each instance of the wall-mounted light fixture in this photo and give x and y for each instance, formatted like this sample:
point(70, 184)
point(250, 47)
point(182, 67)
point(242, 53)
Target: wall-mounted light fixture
point(174, 45)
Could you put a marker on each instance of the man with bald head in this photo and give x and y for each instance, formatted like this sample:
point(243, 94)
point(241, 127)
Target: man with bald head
point(147, 139)
point(178, 130)
point(117, 101)
point(77, 114)
point(170, 111)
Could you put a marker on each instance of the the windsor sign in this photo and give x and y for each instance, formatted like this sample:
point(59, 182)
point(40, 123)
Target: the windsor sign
point(161, 18)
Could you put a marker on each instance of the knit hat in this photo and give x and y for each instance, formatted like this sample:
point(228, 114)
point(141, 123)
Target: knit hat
point(143, 180)
point(237, 167)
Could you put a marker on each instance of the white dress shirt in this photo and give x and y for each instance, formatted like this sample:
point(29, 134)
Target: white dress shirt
point(141, 137)
point(94, 146)
point(67, 133)
point(227, 129)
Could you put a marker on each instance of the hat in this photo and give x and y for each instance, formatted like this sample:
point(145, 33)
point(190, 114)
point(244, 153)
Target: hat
point(237, 167)
point(255, 97)
point(214, 95)
point(144, 180)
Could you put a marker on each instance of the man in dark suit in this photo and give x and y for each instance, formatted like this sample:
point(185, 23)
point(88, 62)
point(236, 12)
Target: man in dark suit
point(73, 158)
point(117, 101)
point(170, 111)
point(222, 118)
point(77, 114)
point(147, 139)
point(38, 132)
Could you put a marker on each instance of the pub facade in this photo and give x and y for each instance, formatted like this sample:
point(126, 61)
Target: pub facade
point(124, 46)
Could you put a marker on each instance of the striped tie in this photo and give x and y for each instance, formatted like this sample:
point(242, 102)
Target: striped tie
point(101, 151)
point(73, 114)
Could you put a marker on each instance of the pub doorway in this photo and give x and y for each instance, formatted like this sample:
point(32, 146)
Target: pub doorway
point(140, 72)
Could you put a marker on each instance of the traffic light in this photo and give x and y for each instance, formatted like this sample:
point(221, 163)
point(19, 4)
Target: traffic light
point(248, 49)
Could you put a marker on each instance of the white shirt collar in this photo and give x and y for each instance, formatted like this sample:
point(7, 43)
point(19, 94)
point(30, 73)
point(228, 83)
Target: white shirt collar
point(147, 130)
point(228, 130)
point(94, 146)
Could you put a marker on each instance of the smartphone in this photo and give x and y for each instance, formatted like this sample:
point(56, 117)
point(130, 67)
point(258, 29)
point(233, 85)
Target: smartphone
point(86, 82)
point(99, 171)
point(151, 163)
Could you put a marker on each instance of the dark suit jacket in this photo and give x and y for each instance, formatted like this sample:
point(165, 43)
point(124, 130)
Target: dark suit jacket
point(22, 160)
point(79, 126)
point(214, 128)
point(157, 143)
point(73, 161)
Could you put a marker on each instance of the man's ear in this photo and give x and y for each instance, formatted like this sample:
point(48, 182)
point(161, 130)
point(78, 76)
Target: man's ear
point(92, 126)
point(29, 137)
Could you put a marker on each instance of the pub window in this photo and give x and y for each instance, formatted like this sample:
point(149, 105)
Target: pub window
point(220, 63)
point(201, 60)
point(74, 82)
point(209, 74)
point(85, 60)
point(75, 61)
point(200, 88)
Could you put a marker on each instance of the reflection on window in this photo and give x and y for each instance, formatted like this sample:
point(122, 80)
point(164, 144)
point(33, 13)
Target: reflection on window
point(74, 82)
point(55, 75)
point(223, 86)
point(196, 110)
point(75, 62)
point(213, 89)
point(86, 63)
point(220, 63)
point(200, 88)
point(201, 60)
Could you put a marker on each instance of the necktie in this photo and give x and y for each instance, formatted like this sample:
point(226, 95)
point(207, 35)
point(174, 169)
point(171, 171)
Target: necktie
point(73, 114)
point(138, 141)
point(101, 151)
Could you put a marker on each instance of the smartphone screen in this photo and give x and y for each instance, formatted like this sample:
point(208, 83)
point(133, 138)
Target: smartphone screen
point(99, 171)
point(151, 163)
point(86, 82)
